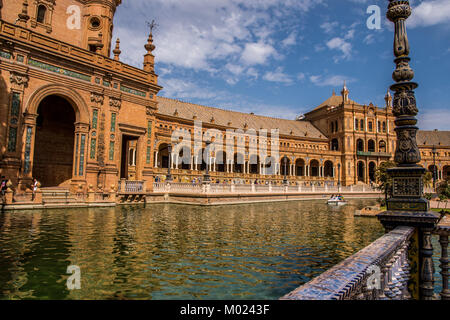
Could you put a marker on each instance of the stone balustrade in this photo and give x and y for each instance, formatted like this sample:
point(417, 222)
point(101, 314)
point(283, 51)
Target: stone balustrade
point(217, 188)
point(378, 272)
point(128, 186)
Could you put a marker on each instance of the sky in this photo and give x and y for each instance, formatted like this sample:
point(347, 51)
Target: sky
point(282, 58)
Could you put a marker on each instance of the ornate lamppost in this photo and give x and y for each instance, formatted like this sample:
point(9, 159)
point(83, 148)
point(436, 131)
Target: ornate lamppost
point(407, 207)
point(433, 151)
point(169, 175)
point(206, 176)
point(285, 181)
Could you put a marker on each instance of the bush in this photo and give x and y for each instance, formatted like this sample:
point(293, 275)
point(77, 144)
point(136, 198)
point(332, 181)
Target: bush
point(428, 196)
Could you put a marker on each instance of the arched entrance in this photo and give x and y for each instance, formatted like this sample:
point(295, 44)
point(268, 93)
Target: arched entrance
point(54, 142)
point(163, 156)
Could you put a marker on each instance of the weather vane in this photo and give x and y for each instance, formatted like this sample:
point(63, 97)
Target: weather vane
point(152, 25)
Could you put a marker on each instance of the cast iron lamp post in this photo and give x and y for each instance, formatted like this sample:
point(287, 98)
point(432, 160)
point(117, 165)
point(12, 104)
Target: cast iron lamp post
point(407, 206)
point(169, 175)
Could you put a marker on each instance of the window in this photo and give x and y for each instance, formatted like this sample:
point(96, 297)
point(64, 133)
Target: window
point(334, 145)
point(370, 126)
point(384, 126)
point(360, 145)
point(382, 146)
point(379, 126)
point(371, 146)
point(356, 124)
point(362, 125)
point(42, 10)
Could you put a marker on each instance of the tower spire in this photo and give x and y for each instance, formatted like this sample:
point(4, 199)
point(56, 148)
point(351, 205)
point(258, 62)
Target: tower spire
point(345, 93)
point(149, 58)
point(388, 99)
point(117, 51)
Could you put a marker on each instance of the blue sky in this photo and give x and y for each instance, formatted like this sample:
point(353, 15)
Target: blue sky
point(282, 58)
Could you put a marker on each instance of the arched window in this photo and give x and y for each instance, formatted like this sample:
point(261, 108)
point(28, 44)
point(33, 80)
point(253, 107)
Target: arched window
point(334, 145)
point(360, 145)
point(42, 10)
point(382, 146)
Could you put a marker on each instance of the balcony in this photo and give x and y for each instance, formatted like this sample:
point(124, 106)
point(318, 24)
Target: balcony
point(373, 154)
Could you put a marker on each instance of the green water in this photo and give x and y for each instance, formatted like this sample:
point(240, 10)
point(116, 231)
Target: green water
point(253, 251)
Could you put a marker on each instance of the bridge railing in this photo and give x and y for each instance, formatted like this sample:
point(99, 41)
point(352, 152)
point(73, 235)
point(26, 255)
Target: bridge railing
point(380, 271)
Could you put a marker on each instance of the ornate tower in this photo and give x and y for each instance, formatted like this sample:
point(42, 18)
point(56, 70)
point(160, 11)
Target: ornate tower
point(97, 23)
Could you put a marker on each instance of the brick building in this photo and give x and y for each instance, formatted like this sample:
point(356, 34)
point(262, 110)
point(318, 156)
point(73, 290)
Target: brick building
point(73, 117)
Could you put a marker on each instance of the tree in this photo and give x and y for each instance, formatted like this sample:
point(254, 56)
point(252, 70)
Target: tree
point(383, 179)
point(427, 179)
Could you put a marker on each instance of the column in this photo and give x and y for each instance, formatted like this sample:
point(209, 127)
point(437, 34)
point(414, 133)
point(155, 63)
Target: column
point(80, 151)
point(156, 159)
point(28, 140)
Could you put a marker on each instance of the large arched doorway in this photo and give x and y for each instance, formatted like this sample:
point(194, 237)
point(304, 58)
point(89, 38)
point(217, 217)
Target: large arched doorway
point(54, 142)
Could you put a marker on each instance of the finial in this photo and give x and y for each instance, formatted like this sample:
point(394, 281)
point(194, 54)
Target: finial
point(334, 92)
point(345, 85)
point(23, 16)
point(117, 51)
point(149, 59)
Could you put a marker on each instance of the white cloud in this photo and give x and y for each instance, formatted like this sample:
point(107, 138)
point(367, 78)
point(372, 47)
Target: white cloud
point(278, 76)
point(257, 53)
point(329, 80)
point(341, 45)
point(329, 27)
point(429, 121)
point(429, 13)
point(205, 35)
point(290, 40)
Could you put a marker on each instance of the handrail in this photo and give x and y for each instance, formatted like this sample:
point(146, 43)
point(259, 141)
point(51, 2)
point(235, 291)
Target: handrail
point(384, 260)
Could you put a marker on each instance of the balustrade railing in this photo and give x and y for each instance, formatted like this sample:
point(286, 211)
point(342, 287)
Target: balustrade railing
point(380, 271)
point(176, 187)
point(127, 186)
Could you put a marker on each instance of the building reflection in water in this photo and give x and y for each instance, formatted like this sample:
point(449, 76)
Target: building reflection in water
point(252, 251)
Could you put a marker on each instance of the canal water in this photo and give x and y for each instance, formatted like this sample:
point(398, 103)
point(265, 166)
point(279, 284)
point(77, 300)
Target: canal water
point(252, 251)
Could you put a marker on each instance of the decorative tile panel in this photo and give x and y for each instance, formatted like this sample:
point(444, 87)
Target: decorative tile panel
point(62, 71)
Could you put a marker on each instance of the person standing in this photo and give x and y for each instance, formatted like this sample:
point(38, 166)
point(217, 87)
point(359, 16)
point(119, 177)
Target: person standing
point(34, 187)
point(3, 186)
